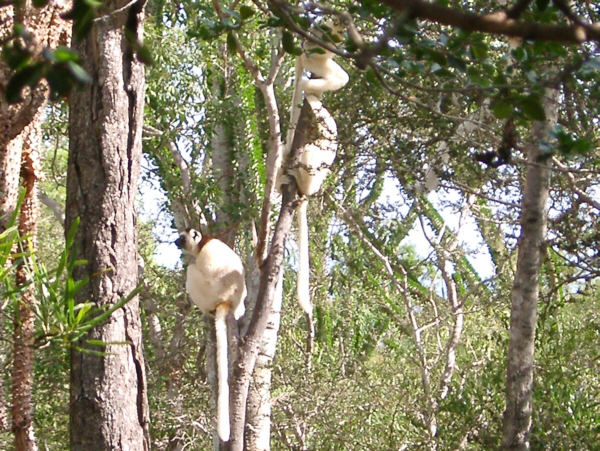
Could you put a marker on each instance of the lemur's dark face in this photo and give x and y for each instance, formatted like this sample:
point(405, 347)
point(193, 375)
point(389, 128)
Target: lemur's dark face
point(188, 241)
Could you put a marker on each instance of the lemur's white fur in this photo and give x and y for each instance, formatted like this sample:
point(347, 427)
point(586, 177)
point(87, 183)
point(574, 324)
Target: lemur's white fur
point(215, 281)
point(328, 75)
point(317, 156)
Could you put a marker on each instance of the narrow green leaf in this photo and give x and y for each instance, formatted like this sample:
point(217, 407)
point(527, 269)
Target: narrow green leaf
point(479, 50)
point(78, 73)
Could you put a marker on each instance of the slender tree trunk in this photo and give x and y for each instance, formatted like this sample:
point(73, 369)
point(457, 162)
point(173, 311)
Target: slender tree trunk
point(108, 408)
point(258, 410)
point(22, 386)
point(519, 373)
point(20, 126)
point(10, 158)
point(270, 274)
point(244, 364)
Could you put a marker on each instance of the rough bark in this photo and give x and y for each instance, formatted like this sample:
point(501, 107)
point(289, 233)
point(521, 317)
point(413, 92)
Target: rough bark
point(46, 29)
point(519, 373)
point(19, 141)
point(22, 375)
point(108, 405)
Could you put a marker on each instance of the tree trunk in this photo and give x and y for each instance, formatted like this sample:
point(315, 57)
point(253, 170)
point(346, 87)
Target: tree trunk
point(20, 126)
point(244, 364)
point(22, 386)
point(258, 410)
point(108, 408)
point(270, 274)
point(519, 373)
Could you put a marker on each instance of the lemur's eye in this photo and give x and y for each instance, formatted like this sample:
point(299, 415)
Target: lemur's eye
point(195, 234)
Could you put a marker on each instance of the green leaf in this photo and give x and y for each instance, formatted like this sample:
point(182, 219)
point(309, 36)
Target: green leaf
point(532, 107)
point(78, 73)
point(231, 45)
point(457, 63)
point(287, 41)
point(15, 56)
point(144, 55)
point(519, 54)
point(437, 57)
point(83, 310)
point(246, 12)
point(105, 315)
point(63, 53)
point(591, 66)
point(98, 343)
point(501, 108)
point(479, 50)
point(28, 76)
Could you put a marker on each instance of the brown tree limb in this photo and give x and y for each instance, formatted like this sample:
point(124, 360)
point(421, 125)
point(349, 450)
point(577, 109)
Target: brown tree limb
point(499, 22)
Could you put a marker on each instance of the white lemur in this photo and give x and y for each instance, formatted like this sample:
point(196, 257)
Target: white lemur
point(215, 281)
point(315, 157)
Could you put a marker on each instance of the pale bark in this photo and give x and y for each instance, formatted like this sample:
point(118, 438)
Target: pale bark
point(270, 275)
point(222, 155)
point(269, 257)
point(108, 405)
point(10, 163)
point(519, 373)
point(53, 206)
point(258, 424)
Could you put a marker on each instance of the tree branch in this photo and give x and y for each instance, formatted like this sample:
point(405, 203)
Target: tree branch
point(54, 207)
point(499, 22)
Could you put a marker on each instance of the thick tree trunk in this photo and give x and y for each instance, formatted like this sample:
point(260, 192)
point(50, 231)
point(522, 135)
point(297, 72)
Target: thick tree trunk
point(519, 373)
point(108, 408)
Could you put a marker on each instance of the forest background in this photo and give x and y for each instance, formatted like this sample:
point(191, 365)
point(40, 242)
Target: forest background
point(470, 125)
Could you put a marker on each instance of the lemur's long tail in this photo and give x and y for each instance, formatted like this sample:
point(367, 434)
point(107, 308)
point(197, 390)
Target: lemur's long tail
point(222, 371)
point(303, 280)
